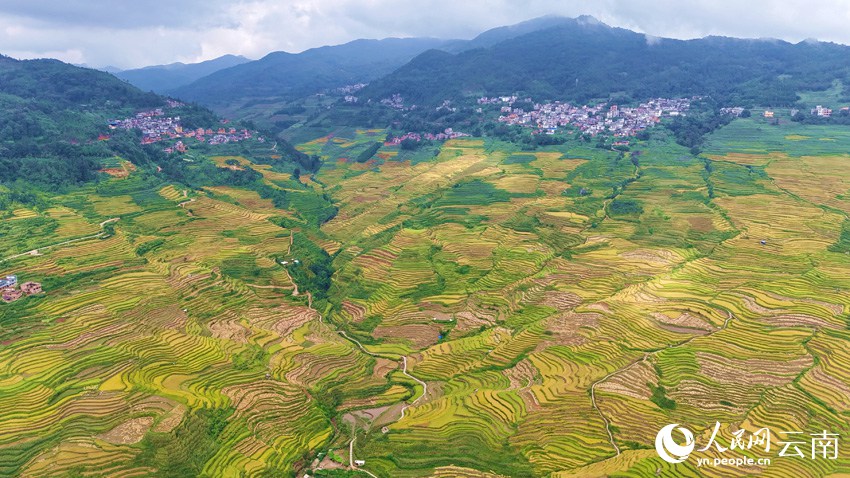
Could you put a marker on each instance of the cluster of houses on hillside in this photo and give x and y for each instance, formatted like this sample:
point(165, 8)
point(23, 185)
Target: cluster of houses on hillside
point(733, 111)
point(819, 111)
point(614, 120)
point(822, 111)
point(497, 99)
point(178, 147)
point(156, 126)
point(396, 102)
point(446, 106)
point(449, 133)
point(349, 90)
point(10, 292)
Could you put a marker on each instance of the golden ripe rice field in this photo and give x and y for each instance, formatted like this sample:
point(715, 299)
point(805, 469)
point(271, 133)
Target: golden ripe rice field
point(483, 313)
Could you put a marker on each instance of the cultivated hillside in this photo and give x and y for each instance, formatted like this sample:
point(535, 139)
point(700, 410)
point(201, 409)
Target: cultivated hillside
point(54, 125)
point(413, 301)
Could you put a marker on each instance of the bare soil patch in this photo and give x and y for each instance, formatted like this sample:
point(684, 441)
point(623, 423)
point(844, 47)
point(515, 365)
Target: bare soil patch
point(170, 422)
point(129, 432)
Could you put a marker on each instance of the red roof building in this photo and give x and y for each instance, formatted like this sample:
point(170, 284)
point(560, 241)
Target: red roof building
point(31, 288)
point(11, 294)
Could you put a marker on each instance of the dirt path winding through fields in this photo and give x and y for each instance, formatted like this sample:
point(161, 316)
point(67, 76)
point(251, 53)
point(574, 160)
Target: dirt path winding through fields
point(420, 382)
point(403, 409)
point(294, 285)
point(627, 367)
point(184, 203)
point(295, 290)
point(402, 365)
point(34, 252)
point(351, 459)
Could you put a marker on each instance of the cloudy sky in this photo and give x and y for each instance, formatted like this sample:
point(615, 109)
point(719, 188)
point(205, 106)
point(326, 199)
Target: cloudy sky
point(133, 33)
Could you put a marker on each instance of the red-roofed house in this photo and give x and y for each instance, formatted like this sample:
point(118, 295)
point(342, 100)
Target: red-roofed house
point(31, 288)
point(11, 294)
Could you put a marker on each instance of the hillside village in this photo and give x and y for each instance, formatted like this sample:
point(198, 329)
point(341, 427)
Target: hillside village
point(156, 127)
point(546, 118)
point(447, 134)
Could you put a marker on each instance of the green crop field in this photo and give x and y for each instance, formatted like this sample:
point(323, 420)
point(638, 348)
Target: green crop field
point(466, 310)
point(758, 136)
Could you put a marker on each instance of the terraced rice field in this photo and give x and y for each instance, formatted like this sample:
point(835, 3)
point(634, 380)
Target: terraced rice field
point(490, 313)
point(173, 347)
point(516, 286)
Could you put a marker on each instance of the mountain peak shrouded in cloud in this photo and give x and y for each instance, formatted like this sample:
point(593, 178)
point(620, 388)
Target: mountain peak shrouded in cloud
point(106, 68)
point(589, 20)
point(155, 33)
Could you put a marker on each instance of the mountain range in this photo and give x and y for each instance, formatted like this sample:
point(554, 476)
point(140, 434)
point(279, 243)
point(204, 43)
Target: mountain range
point(582, 59)
point(550, 57)
point(289, 75)
point(164, 78)
point(282, 74)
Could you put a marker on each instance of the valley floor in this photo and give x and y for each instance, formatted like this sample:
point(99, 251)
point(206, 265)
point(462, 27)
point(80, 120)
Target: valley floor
point(489, 313)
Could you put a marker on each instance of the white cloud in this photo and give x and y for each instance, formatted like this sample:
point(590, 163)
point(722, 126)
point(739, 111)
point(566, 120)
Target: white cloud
point(652, 40)
point(129, 33)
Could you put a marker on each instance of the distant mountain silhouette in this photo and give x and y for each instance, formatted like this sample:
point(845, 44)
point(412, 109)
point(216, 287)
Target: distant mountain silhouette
point(164, 78)
point(282, 74)
point(583, 58)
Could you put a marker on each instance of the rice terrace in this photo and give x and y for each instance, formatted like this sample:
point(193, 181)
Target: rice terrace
point(417, 257)
point(474, 301)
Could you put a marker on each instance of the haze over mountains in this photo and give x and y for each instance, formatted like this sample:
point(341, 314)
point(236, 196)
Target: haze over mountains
point(583, 59)
point(282, 74)
point(289, 75)
point(164, 78)
point(553, 57)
